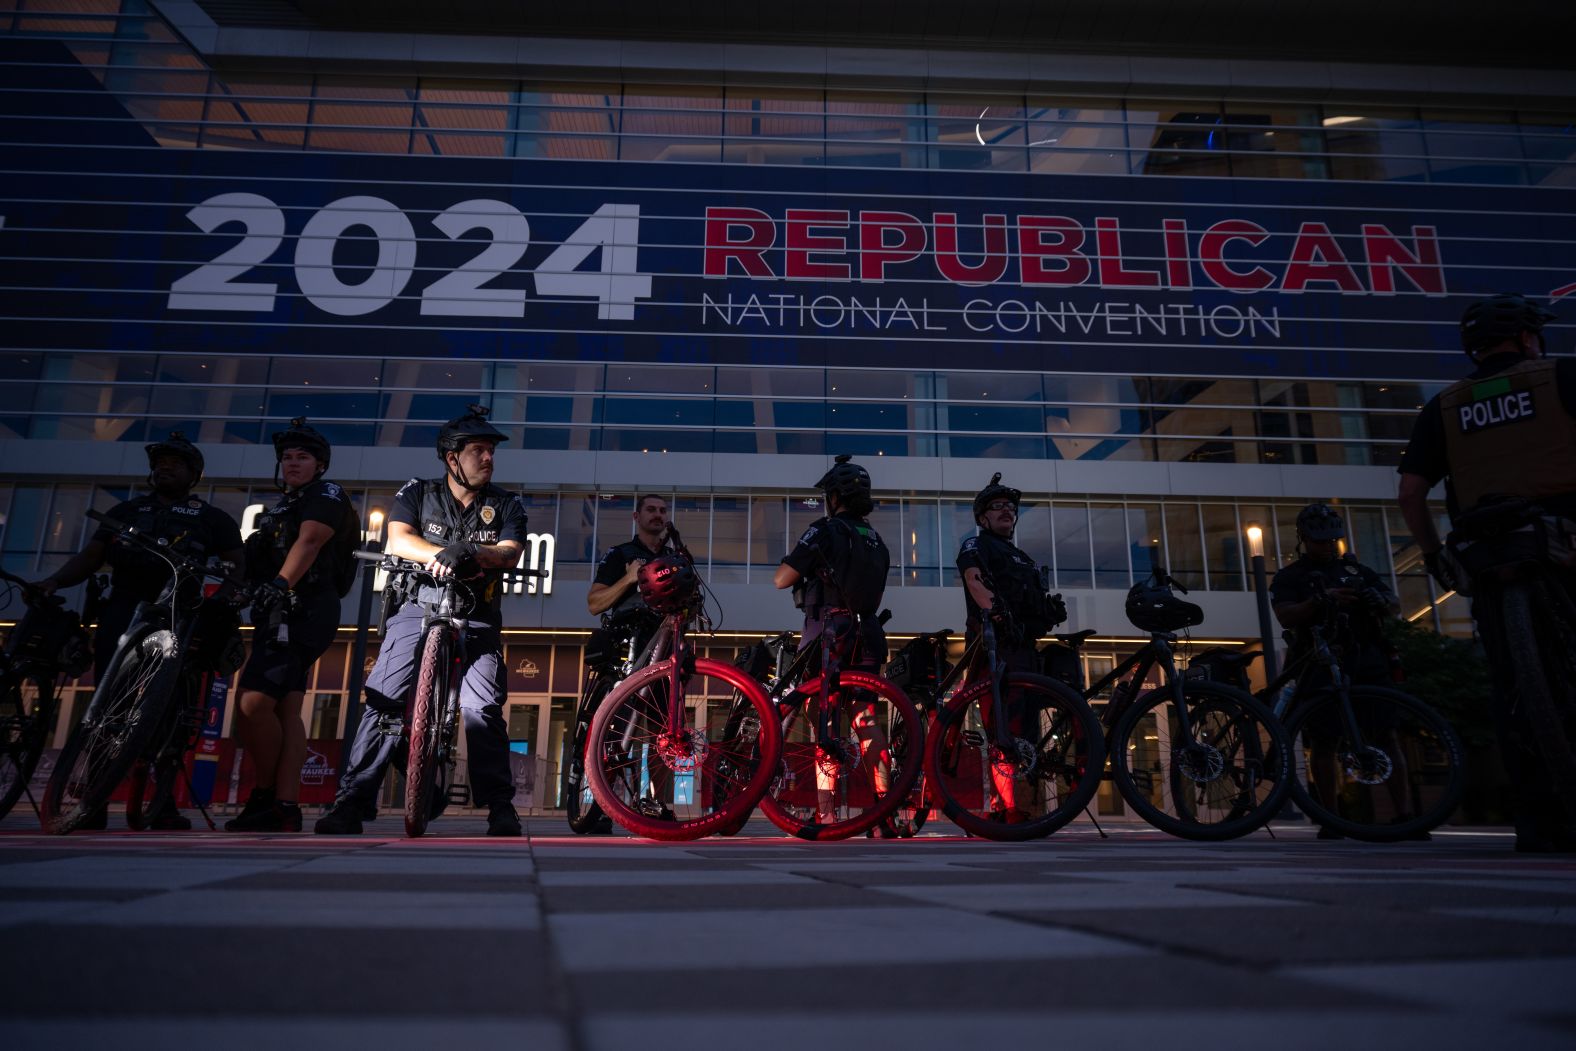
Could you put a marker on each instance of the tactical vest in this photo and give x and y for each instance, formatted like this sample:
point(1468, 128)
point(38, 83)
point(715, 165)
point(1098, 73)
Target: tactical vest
point(1509, 435)
point(142, 575)
point(856, 571)
point(1016, 579)
point(277, 531)
point(633, 550)
point(445, 522)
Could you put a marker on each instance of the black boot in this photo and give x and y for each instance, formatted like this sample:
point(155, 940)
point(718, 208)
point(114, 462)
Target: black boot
point(341, 819)
point(502, 820)
point(261, 814)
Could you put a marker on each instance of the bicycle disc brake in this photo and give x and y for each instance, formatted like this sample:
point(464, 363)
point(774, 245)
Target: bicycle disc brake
point(1020, 761)
point(837, 755)
point(1370, 766)
point(683, 751)
point(159, 644)
point(1201, 763)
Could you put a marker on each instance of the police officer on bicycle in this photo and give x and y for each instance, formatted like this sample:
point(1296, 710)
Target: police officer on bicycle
point(461, 526)
point(1001, 581)
point(613, 589)
point(168, 512)
point(301, 558)
point(1508, 429)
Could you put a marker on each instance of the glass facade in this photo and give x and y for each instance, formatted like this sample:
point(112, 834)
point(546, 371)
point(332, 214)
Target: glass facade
point(166, 90)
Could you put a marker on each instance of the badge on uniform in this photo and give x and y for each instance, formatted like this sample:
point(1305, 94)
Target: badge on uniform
point(489, 512)
point(194, 503)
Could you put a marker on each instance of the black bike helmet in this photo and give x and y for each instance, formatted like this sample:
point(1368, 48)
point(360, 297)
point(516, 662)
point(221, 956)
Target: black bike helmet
point(299, 436)
point(1489, 322)
point(1320, 522)
point(846, 479)
point(177, 445)
point(462, 431)
point(669, 584)
point(993, 492)
point(1155, 607)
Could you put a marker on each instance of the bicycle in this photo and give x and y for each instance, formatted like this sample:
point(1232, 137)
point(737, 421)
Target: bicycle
point(1013, 755)
point(46, 644)
point(853, 744)
point(920, 669)
point(1197, 759)
point(653, 764)
point(432, 725)
point(148, 708)
point(1519, 563)
point(1372, 763)
point(606, 669)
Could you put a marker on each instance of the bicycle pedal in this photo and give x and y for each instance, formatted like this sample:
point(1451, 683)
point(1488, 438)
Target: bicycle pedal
point(459, 795)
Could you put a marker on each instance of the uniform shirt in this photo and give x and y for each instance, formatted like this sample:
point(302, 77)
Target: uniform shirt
point(1009, 572)
point(1295, 583)
point(494, 517)
point(280, 525)
point(193, 527)
point(616, 563)
point(1425, 451)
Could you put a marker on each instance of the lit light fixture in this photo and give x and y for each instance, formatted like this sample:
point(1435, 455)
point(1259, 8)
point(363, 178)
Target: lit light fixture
point(1255, 540)
point(375, 525)
point(1330, 122)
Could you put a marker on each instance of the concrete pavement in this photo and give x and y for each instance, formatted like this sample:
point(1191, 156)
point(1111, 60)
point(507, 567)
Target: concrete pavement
point(121, 940)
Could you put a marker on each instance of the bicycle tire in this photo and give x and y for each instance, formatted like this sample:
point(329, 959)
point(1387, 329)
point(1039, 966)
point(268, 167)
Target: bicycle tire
point(629, 733)
point(1053, 776)
point(22, 739)
point(421, 760)
point(796, 794)
point(1210, 804)
point(580, 806)
point(120, 721)
point(1539, 639)
point(1408, 747)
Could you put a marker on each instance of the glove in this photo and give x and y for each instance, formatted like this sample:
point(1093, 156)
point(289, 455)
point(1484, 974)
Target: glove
point(460, 559)
point(268, 597)
point(1446, 570)
point(1055, 608)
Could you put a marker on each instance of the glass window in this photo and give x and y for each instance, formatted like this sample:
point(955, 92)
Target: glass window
point(1476, 146)
point(887, 520)
point(63, 532)
point(1034, 530)
point(691, 515)
point(918, 550)
point(249, 111)
point(1169, 137)
point(1548, 136)
point(1184, 544)
point(1144, 544)
point(570, 122)
point(1109, 533)
point(768, 530)
point(616, 521)
point(577, 517)
point(1223, 547)
point(1074, 567)
point(1077, 136)
point(463, 117)
point(730, 541)
point(364, 114)
point(25, 518)
point(1375, 143)
point(957, 525)
point(325, 716)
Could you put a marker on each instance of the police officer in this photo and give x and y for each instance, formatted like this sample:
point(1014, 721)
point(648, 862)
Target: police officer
point(301, 557)
point(1507, 430)
point(460, 525)
point(839, 569)
point(1000, 580)
point(1301, 593)
point(168, 511)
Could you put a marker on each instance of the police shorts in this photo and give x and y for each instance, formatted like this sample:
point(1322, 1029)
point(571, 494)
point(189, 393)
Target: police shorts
point(276, 669)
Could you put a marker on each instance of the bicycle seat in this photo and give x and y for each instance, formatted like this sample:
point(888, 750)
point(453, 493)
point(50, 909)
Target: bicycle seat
point(777, 643)
point(1235, 660)
point(1077, 638)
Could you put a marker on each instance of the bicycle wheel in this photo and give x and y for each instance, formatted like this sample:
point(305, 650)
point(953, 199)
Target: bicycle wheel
point(422, 759)
point(1053, 769)
point(120, 721)
point(860, 774)
point(1540, 644)
point(680, 782)
point(1405, 778)
point(1228, 780)
point(580, 805)
point(23, 733)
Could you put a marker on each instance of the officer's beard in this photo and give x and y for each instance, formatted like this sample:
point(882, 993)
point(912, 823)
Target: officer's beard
point(167, 486)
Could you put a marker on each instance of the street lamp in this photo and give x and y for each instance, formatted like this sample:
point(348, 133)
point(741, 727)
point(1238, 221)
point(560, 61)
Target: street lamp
point(1262, 590)
point(372, 541)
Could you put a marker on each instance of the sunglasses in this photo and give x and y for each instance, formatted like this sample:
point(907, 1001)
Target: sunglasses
point(1002, 505)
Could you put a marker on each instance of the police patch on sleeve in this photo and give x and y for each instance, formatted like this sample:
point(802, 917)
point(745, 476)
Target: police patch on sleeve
point(330, 489)
point(971, 544)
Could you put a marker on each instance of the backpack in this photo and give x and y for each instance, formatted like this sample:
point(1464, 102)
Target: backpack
point(858, 568)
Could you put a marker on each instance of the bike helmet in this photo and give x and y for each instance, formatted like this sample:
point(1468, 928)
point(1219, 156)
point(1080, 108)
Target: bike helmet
point(1155, 607)
point(1320, 522)
point(470, 427)
point(996, 491)
point(177, 445)
point(1489, 322)
point(848, 480)
point(669, 584)
point(299, 436)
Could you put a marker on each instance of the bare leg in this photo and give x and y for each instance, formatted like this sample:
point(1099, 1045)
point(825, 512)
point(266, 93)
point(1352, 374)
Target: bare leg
point(257, 726)
point(292, 748)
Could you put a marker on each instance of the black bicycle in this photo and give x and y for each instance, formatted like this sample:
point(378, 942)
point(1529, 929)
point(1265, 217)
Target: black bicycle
point(611, 657)
point(1195, 758)
point(47, 644)
point(432, 723)
point(1373, 763)
point(149, 706)
point(1520, 562)
point(920, 669)
point(1013, 755)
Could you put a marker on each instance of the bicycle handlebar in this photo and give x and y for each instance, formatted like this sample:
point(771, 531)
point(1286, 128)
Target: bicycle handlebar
point(161, 547)
point(396, 564)
point(31, 595)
